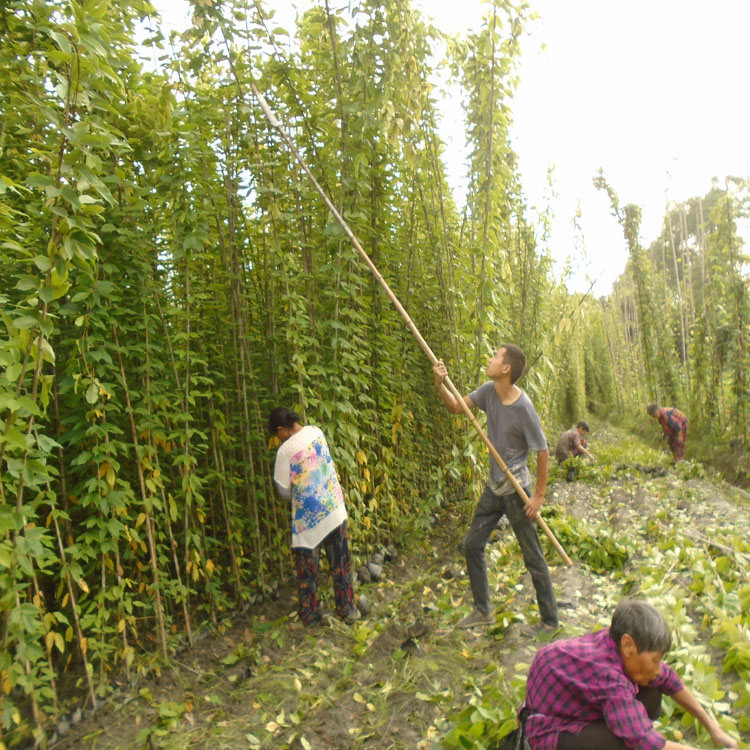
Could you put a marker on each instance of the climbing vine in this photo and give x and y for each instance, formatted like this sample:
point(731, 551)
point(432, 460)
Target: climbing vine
point(169, 276)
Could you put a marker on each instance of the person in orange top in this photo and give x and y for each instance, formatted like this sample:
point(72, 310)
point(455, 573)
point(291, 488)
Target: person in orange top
point(674, 423)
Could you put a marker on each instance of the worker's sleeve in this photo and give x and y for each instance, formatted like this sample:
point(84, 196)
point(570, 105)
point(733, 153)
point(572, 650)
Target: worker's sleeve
point(628, 720)
point(282, 475)
point(668, 681)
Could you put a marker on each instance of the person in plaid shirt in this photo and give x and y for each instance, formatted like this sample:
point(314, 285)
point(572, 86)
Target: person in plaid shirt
point(674, 424)
point(601, 691)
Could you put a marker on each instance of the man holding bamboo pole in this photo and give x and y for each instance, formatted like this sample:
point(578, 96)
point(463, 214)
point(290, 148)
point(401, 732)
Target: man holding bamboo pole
point(514, 429)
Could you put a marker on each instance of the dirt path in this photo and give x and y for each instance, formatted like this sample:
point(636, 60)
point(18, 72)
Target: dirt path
point(401, 677)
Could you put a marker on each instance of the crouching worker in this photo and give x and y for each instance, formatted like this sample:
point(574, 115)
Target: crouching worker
point(603, 690)
point(305, 474)
point(573, 443)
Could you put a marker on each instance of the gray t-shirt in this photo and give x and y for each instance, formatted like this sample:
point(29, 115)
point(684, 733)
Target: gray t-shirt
point(514, 430)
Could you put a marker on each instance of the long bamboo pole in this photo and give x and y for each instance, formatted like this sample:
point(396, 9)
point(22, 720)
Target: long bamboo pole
point(409, 322)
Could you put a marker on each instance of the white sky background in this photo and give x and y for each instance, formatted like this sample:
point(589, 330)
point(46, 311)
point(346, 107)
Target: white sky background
point(652, 91)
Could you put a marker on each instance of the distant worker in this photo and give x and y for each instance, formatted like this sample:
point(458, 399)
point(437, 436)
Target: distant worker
point(674, 423)
point(573, 443)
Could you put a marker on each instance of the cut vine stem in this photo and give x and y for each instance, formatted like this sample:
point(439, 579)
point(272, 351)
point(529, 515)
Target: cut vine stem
point(409, 322)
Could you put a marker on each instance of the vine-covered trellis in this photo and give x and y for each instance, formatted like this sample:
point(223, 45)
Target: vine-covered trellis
point(168, 276)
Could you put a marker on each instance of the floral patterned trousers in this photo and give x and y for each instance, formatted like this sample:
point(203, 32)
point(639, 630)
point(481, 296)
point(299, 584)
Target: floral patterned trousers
point(336, 545)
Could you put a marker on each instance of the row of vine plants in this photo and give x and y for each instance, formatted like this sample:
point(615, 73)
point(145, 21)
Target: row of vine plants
point(169, 276)
point(676, 328)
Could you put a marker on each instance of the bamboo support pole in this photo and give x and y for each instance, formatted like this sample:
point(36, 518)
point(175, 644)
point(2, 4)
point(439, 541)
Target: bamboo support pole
point(409, 322)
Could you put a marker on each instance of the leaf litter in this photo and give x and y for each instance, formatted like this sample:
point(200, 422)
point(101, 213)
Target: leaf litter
point(404, 678)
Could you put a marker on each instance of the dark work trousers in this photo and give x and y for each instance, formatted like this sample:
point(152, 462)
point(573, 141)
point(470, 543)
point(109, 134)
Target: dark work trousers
point(490, 510)
point(597, 737)
point(308, 561)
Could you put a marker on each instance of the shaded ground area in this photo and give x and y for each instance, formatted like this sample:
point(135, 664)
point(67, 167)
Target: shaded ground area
point(399, 678)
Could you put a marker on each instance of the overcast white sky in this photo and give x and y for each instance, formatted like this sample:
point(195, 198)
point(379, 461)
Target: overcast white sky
point(652, 91)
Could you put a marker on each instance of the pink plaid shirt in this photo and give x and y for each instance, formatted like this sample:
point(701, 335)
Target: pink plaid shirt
point(582, 680)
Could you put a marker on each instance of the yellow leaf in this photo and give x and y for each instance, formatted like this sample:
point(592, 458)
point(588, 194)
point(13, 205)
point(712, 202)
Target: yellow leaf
point(210, 566)
point(274, 442)
point(272, 727)
point(49, 640)
point(297, 685)
point(84, 586)
point(366, 473)
point(361, 457)
point(111, 477)
point(60, 643)
point(84, 645)
point(357, 697)
point(141, 518)
point(103, 467)
point(121, 625)
point(69, 634)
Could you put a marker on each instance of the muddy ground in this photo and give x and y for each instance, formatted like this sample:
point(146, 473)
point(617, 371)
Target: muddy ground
point(397, 678)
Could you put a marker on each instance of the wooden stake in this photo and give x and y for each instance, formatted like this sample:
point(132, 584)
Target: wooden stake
point(146, 510)
point(409, 322)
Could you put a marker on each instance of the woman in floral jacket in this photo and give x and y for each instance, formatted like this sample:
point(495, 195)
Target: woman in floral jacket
point(305, 475)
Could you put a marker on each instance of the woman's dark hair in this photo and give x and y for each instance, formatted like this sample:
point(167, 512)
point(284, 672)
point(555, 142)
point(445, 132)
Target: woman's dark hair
point(585, 425)
point(282, 417)
point(644, 624)
point(653, 409)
